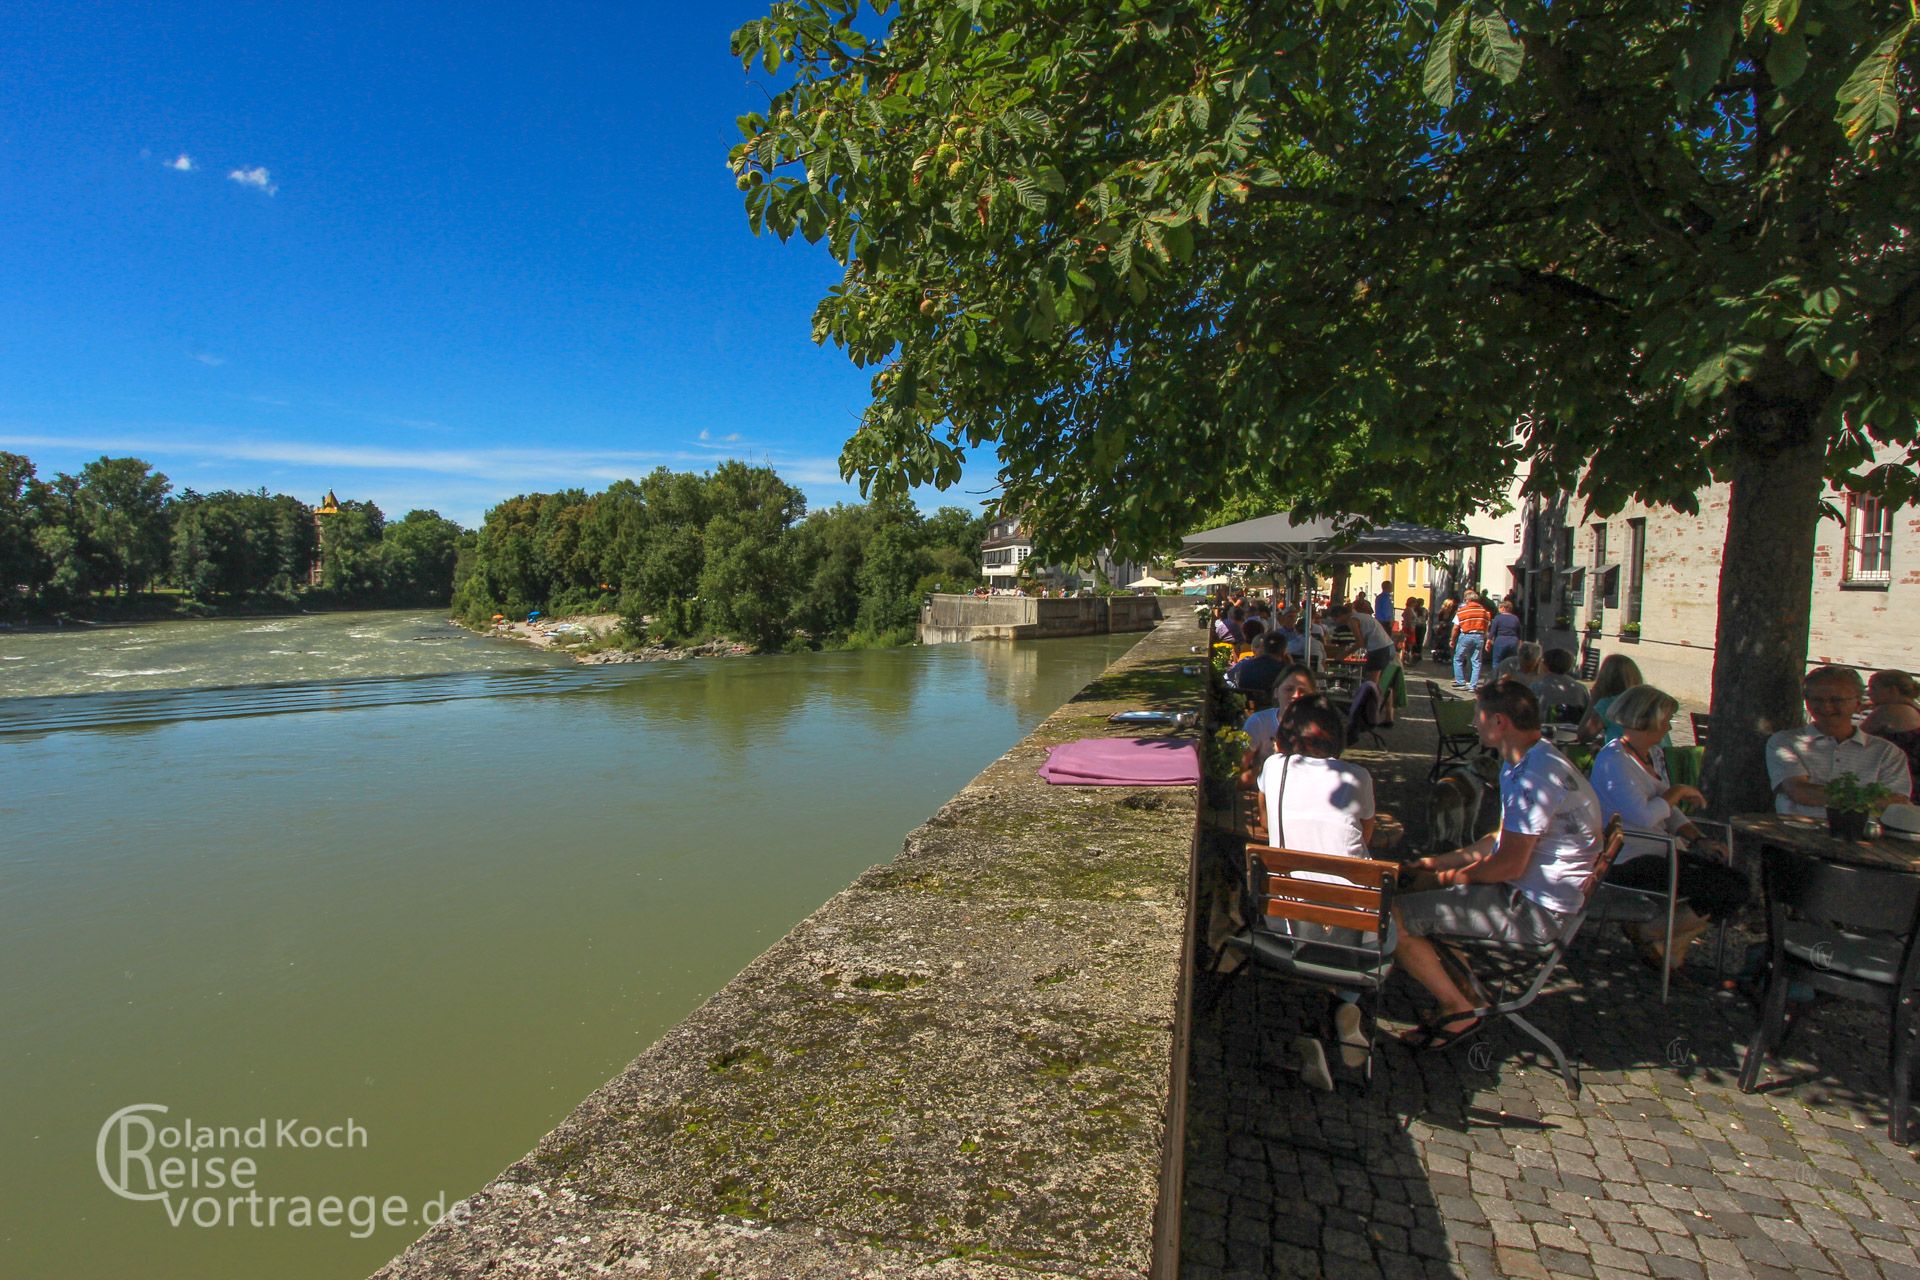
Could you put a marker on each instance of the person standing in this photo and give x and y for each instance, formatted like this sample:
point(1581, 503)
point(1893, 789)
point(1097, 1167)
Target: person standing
point(1440, 630)
point(1383, 609)
point(1503, 635)
point(1469, 639)
point(1413, 629)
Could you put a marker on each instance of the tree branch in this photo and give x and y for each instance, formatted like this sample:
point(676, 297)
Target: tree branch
point(1579, 105)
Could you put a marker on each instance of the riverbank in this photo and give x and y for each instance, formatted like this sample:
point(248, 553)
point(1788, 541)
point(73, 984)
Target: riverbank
point(961, 1064)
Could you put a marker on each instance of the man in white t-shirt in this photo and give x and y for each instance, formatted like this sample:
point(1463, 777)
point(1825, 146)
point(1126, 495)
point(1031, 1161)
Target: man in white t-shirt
point(1801, 762)
point(1518, 885)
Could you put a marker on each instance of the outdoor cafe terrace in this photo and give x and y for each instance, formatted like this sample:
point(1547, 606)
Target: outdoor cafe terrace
point(1478, 1161)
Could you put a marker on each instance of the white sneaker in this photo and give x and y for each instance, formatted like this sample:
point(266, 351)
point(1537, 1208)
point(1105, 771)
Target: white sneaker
point(1313, 1064)
point(1354, 1049)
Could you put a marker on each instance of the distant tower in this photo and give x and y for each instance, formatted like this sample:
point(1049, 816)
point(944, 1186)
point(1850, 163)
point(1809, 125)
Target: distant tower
point(329, 506)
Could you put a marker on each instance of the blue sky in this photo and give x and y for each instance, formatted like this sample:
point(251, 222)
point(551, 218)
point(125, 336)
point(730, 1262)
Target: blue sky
point(430, 256)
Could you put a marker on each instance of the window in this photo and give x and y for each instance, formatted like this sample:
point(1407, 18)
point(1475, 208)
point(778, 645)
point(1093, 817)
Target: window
point(1563, 546)
point(1636, 567)
point(1576, 586)
point(1869, 558)
point(1599, 545)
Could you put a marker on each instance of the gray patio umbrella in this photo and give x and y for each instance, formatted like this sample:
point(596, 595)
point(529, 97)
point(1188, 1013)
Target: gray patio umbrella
point(1284, 541)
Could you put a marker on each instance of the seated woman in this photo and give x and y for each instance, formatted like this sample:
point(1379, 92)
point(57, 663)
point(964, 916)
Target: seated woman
point(1317, 803)
point(1894, 714)
point(1630, 775)
point(1617, 674)
point(1263, 726)
point(1525, 665)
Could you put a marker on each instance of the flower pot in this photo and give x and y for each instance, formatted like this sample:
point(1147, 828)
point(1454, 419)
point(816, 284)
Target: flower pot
point(1848, 824)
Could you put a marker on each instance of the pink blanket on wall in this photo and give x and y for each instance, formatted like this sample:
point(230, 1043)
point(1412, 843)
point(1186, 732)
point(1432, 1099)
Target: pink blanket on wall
point(1123, 762)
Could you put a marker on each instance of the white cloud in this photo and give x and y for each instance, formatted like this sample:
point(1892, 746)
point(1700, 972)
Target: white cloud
point(183, 162)
point(704, 435)
point(257, 178)
point(523, 468)
point(207, 358)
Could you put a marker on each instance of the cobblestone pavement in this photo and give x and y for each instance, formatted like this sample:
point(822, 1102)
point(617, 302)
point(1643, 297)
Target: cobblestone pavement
point(1476, 1162)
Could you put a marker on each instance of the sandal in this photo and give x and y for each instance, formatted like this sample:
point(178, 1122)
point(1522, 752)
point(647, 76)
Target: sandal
point(1440, 1033)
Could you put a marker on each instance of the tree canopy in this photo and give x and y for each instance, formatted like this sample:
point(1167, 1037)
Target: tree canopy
point(733, 552)
point(1162, 252)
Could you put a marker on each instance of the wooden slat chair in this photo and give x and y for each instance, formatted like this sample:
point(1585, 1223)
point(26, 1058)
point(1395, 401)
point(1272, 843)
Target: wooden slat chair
point(1590, 665)
point(1701, 723)
point(1453, 717)
point(1278, 897)
point(1527, 970)
point(1852, 932)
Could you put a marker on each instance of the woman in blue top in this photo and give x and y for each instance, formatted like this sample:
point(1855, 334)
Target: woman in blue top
point(1616, 675)
point(1503, 635)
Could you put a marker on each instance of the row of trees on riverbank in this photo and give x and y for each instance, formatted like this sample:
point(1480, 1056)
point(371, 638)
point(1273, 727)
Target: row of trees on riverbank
point(118, 528)
point(733, 552)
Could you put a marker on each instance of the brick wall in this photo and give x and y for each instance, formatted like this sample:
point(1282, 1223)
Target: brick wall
point(1870, 628)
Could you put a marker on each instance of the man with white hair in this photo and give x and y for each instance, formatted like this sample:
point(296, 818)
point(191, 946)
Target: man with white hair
point(1801, 762)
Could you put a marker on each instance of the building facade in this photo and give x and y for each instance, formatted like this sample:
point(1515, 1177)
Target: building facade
point(1008, 547)
point(1646, 581)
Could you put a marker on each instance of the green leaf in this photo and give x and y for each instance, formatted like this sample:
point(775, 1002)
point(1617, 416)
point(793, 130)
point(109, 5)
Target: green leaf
point(1703, 57)
point(1781, 13)
point(1869, 100)
point(1437, 77)
point(1494, 48)
point(1786, 58)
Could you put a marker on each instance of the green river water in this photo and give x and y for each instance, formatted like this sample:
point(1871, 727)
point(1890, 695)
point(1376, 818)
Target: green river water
point(369, 868)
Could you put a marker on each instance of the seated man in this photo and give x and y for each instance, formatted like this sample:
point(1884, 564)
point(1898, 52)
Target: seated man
point(1801, 762)
point(1257, 675)
point(1518, 885)
point(1557, 689)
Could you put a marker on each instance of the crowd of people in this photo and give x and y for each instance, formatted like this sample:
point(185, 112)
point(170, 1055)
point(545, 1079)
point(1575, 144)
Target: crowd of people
point(1522, 883)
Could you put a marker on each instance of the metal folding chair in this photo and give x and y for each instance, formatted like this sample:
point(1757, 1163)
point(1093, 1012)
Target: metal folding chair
point(1528, 969)
point(1453, 717)
point(1617, 904)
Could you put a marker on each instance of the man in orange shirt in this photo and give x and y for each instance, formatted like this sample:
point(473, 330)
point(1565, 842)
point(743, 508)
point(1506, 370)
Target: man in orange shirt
point(1469, 634)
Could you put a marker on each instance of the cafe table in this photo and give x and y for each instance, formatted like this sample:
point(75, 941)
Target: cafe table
point(1810, 836)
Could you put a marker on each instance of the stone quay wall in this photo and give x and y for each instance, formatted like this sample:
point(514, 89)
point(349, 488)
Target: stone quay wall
point(971, 1062)
point(951, 619)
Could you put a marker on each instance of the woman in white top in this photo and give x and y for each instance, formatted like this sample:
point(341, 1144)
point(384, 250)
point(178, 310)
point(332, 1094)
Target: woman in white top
point(1630, 775)
point(1317, 803)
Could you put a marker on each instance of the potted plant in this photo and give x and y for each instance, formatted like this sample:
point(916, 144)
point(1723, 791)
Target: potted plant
point(1563, 621)
point(1849, 804)
point(1630, 632)
point(1223, 754)
point(1593, 623)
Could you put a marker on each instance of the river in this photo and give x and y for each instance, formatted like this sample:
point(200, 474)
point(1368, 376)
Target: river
point(370, 879)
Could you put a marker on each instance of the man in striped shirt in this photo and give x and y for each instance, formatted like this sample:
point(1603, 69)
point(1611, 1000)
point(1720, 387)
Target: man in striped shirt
point(1469, 636)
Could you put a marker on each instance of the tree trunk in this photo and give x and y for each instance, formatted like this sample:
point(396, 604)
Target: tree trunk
point(1766, 600)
